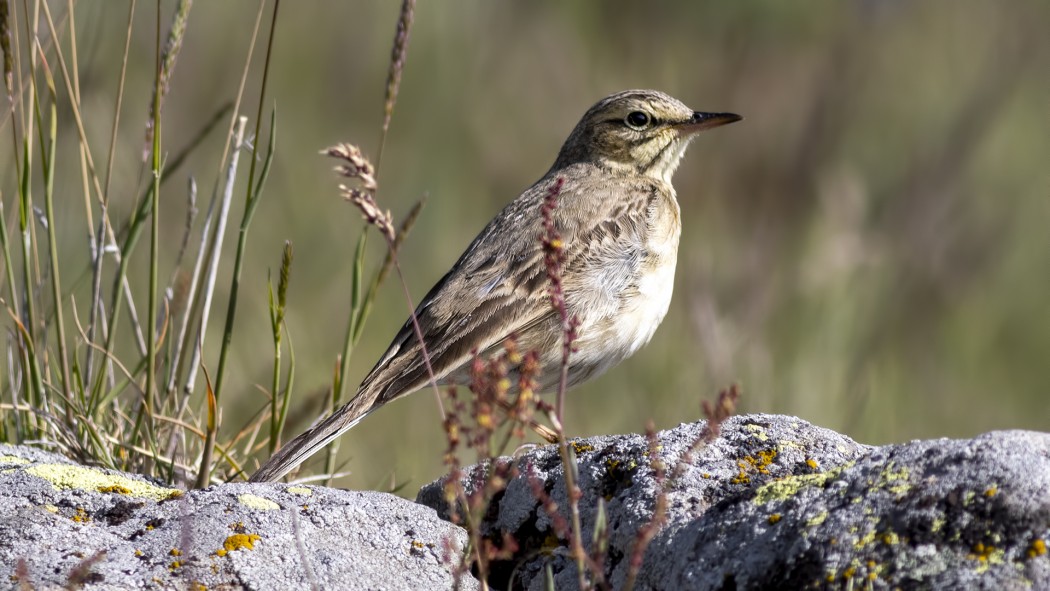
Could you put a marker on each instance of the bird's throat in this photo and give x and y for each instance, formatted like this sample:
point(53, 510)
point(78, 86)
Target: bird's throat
point(662, 166)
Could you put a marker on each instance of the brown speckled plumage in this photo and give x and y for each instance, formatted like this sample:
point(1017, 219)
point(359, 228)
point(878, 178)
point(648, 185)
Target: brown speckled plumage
point(619, 221)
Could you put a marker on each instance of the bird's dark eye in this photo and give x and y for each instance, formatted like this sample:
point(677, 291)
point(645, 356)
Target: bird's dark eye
point(637, 120)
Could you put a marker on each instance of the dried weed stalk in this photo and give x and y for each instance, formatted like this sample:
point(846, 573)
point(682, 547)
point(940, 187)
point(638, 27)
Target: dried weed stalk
point(506, 381)
point(715, 415)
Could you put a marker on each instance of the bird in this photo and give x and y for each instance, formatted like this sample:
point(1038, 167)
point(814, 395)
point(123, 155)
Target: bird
point(619, 224)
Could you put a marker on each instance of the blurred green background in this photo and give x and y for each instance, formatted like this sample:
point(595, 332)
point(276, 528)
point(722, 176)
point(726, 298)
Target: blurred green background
point(868, 250)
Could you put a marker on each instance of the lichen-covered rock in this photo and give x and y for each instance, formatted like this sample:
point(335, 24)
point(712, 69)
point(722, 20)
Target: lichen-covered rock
point(65, 525)
point(776, 503)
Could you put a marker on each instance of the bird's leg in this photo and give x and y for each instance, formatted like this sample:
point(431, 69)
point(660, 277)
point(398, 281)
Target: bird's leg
point(543, 431)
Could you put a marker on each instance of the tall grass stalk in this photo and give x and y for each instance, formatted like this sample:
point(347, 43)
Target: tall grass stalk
point(35, 393)
point(279, 401)
point(47, 160)
point(149, 397)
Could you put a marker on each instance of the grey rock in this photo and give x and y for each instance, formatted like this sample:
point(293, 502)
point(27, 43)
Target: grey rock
point(65, 524)
point(776, 503)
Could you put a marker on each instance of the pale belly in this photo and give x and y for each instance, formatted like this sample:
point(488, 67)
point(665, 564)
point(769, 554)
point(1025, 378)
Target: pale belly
point(647, 310)
point(616, 326)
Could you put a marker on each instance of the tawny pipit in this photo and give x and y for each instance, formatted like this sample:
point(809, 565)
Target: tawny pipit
point(619, 222)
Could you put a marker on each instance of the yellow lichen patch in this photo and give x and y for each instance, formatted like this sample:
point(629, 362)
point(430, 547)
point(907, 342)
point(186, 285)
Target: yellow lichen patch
point(81, 516)
point(774, 518)
point(257, 502)
point(299, 490)
point(175, 552)
point(138, 552)
point(758, 431)
point(67, 476)
point(817, 519)
point(237, 542)
point(891, 538)
point(864, 540)
point(813, 465)
point(51, 508)
point(175, 564)
point(938, 524)
point(1037, 548)
point(786, 488)
point(895, 481)
point(991, 491)
point(757, 463)
point(13, 460)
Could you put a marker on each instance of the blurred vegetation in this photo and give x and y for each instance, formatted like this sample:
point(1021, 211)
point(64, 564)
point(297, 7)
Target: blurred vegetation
point(868, 250)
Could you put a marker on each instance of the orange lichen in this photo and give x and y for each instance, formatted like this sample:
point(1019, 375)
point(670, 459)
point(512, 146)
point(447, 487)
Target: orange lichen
point(981, 552)
point(581, 448)
point(237, 542)
point(758, 463)
point(115, 488)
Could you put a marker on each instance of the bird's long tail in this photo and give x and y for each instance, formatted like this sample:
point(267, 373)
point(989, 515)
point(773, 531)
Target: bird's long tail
point(311, 441)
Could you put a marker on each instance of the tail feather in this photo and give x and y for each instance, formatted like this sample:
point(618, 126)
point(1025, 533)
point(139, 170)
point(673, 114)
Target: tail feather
point(311, 441)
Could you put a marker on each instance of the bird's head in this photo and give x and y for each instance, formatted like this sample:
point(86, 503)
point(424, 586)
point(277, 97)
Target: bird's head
point(637, 132)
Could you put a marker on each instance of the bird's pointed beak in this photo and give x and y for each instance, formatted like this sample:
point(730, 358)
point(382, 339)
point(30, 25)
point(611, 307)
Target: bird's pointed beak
point(701, 121)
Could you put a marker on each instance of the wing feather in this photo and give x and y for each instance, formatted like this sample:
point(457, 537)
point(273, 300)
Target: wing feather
point(499, 286)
